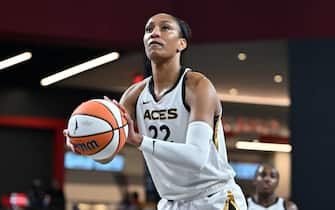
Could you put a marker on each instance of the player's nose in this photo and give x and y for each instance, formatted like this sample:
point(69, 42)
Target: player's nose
point(267, 178)
point(155, 32)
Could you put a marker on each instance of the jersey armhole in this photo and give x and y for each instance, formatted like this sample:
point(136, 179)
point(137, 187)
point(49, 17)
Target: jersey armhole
point(135, 108)
point(284, 204)
point(187, 107)
point(136, 101)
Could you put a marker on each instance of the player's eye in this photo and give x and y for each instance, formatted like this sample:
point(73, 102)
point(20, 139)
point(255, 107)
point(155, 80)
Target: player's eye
point(149, 28)
point(165, 27)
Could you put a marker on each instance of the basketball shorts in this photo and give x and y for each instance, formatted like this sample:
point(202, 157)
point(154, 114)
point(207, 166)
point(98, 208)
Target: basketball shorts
point(230, 197)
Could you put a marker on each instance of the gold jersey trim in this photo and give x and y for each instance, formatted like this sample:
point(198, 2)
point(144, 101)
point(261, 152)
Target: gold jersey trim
point(216, 131)
point(230, 203)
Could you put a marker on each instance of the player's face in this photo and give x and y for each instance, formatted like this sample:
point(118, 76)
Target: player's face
point(162, 37)
point(266, 179)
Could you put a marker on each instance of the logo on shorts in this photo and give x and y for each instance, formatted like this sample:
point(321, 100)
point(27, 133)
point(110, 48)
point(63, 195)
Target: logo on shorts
point(146, 102)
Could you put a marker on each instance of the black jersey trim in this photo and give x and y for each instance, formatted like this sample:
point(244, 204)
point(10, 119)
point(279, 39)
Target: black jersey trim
point(151, 84)
point(136, 106)
point(183, 93)
point(271, 204)
point(284, 204)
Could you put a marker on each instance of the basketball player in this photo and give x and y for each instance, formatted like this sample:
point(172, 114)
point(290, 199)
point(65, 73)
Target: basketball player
point(266, 181)
point(177, 115)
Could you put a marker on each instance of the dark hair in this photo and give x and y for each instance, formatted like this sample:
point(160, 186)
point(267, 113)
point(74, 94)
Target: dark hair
point(266, 165)
point(185, 32)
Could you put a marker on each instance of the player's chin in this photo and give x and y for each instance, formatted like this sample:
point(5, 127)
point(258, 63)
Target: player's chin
point(157, 55)
point(268, 190)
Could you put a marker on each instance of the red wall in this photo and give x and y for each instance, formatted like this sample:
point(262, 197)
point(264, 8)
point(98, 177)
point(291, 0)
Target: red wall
point(56, 125)
point(121, 23)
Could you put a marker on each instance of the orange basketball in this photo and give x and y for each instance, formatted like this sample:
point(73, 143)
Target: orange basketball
point(97, 129)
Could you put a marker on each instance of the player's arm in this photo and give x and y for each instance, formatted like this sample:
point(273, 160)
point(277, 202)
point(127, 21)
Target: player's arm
point(128, 99)
point(202, 99)
point(127, 104)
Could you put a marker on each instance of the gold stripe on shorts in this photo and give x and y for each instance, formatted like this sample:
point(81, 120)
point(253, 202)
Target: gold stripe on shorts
point(230, 203)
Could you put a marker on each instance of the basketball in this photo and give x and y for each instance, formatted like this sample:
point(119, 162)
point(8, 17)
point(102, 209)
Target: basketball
point(97, 129)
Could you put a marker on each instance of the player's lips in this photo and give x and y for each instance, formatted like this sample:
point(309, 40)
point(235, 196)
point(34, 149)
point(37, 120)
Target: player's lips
point(266, 185)
point(154, 42)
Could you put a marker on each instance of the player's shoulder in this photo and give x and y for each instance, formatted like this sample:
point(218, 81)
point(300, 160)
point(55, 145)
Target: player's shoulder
point(290, 205)
point(195, 78)
point(199, 89)
point(137, 87)
point(132, 92)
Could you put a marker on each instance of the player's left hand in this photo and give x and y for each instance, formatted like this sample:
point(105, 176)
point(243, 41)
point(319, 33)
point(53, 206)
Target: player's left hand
point(68, 143)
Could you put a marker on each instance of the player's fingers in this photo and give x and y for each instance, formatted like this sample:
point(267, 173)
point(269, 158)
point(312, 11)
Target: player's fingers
point(65, 132)
point(119, 105)
point(68, 143)
point(115, 102)
point(127, 116)
point(123, 110)
point(107, 98)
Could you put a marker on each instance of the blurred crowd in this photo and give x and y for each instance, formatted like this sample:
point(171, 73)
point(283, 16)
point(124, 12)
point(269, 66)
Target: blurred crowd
point(38, 197)
point(51, 197)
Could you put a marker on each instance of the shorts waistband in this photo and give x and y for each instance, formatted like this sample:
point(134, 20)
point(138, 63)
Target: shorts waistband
point(208, 192)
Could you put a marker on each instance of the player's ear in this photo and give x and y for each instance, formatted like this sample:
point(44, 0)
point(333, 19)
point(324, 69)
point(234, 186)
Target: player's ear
point(182, 45)
point(254, 181)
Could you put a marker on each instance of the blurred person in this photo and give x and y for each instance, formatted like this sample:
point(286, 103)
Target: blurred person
point(125, 201)
point(75, 206)
point(135, 202)
point(55, 198)
point(17, 208)
point(174, 118)
point(266, 181)
point(36, 195)
point(131, 202)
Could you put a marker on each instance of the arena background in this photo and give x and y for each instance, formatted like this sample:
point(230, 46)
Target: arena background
point(291, 38)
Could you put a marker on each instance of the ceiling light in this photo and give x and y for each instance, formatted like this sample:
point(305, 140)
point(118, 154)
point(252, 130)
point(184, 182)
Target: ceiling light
point(242, 56)
point(15, 60)
point(263, 146)
point(278, 78)
point(233, 91)
point(273, 101)
point(79, 68)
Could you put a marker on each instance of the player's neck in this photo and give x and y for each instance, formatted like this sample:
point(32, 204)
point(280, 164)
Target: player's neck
point(265, 199)
point(165, 76)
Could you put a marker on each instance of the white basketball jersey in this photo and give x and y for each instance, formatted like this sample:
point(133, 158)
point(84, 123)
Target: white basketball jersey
point(278, 205)
point(167, 120)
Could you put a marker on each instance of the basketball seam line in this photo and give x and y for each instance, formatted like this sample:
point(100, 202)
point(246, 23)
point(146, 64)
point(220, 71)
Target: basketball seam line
point(114, 116)
point(91, 115)
point(107, 108)
point(113, 129)
point(110, 141)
